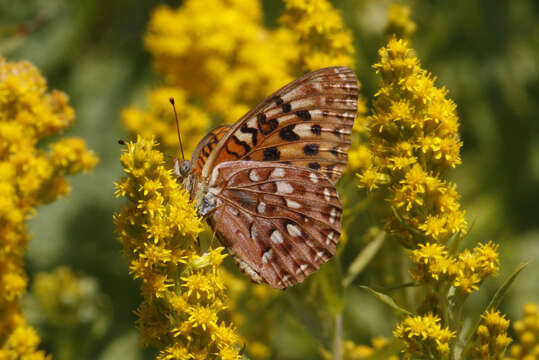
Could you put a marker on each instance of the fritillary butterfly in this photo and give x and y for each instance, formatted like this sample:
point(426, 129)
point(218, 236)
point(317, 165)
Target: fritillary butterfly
point(266, 184)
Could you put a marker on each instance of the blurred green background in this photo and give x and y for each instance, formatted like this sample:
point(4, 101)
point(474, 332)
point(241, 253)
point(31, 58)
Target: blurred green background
point(485, 52)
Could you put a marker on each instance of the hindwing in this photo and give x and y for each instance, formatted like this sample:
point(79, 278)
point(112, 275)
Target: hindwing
point(280, 222)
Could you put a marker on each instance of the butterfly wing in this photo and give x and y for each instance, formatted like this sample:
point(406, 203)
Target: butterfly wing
point(206, 146)
point(280, 222)
point(306, 124)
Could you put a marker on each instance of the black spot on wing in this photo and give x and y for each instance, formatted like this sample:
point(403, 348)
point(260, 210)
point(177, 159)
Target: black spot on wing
point(286, 107)
point(287, 133)
point(314, 165)
point(278, 100)
point(304, 114)
point(271, 154)
point(247, 130)
point(316, 129)
point(311, 149)
point(264, 125)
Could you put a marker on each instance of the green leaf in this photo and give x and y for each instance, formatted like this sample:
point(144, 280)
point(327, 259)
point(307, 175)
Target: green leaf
point(502, 290)
point(493, 304)
point(388, 300)
point(364, 258)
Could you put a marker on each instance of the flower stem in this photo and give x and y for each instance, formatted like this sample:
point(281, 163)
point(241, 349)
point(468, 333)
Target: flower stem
point(337, 337)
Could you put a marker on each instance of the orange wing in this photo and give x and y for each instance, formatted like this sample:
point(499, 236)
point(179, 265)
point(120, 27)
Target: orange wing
point(206, 146)
point(306, 123)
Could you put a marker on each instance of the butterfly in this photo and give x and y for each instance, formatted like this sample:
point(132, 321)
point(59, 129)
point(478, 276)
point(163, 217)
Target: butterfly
point(266, 185)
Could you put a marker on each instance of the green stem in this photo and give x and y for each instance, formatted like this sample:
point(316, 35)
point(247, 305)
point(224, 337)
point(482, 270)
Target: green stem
point(337, 337)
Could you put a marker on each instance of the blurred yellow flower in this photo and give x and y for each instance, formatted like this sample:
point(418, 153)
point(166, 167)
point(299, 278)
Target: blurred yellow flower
point(323, 38)
point(158, 120)
point(29, 177)
point(220, 53)
point(399, 23)
point(526, 347)
point(183, 290)
point(492, 339)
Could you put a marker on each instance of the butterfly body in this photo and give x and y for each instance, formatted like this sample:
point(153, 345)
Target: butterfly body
point(266, 184)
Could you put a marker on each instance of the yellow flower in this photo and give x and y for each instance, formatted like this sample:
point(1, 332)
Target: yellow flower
point(399, 23)
point(324, 40)
point(424, 335)
point(527, 330)
point(29, 176)
point(492, 339)
point(65, 298)
point(183, 290)
point(414, 140)
point(474, 267)
point(219, 52)
point(433, 264)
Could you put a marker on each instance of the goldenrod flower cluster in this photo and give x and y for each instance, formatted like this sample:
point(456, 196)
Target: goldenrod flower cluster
point(220, 53)
point(492, 339)
point(527, 330)
point(29, 176)
point(466, 271)
point(323, 38)
point(399, 23)
point(424, 335)
point(414, 142)
point(183, 289)
point(67, 299)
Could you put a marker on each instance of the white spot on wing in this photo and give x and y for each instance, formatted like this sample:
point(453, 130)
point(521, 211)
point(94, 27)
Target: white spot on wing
point(327, 194)
point(254, 232)
point(284, 188)
point(276, 237)
point(261, 207)
point(277, 173)
point(330, 237)
point(313, 178)
point(293, 230)
point(301, 268)
point(292, 204)
point(267, 256)
point(248, 270)
point(319, 255)
point(332, 215)
point(253, 175)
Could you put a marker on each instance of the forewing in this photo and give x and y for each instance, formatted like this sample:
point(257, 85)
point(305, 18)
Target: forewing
point(306, 124)
point(280, 222)
point(206, 146)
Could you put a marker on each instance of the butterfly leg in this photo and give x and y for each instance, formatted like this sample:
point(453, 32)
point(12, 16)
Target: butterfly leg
point(212, 237)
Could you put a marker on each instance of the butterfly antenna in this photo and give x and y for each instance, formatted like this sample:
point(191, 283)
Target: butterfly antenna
point(177, 125)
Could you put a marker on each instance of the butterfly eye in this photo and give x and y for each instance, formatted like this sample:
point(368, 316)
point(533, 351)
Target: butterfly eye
point(185, 167)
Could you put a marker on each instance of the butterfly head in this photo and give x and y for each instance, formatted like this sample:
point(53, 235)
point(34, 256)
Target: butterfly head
point(182, 169)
